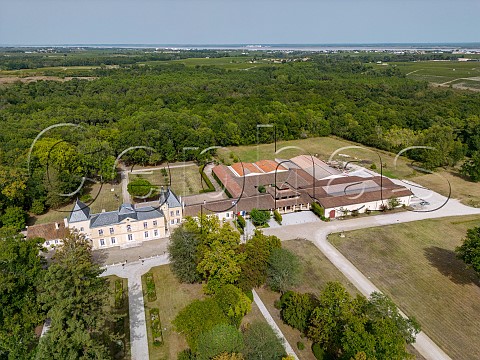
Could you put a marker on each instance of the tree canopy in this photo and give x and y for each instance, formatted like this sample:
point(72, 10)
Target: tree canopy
point(469, 251)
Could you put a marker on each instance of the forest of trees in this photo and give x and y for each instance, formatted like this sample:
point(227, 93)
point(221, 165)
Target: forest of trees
point(169, 107)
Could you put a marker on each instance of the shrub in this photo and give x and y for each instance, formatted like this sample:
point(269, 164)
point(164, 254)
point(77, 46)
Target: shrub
point(186, 354)
point(151, 291)
point(261, 189)
point(300, 345)
point(140, 187)
point(318, 352)
point(318, 210)
point(241, 221)
point(259, 217)
point(86, 198)
point(278, 217)
point(156, 327)
point(373, 166)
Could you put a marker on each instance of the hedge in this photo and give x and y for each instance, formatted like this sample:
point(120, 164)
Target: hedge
point(319, 211)
point(278, 217)
point(151, 291)
point(207, 181)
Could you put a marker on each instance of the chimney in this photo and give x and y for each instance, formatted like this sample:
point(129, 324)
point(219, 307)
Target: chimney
point(57, 226)
point(103, 210)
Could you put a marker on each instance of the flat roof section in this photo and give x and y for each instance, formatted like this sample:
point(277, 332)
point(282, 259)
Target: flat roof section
point(268, 166)
point(247, 169)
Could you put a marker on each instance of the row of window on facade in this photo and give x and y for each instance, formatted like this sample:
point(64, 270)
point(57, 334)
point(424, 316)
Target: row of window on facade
point(129, 228)
point(113, 240)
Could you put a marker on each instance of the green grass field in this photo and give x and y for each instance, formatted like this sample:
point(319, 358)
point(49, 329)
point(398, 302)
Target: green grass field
point(415, 265)
point(172, 296)
point(234, 63)
point(438, 72)
point(184, 180)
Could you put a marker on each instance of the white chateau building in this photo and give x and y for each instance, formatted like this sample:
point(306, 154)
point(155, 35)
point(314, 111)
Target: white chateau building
point(130, 224)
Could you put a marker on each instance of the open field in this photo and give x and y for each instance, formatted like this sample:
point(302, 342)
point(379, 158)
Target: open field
point(415, 264)
point(185, 180)
point(465, 191)
point(441, 72)
point(123, 324)
point(172, 296)
point(323, 148)
point(233, 63)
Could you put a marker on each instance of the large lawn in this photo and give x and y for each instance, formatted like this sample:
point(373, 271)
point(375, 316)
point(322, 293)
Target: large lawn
point(415, 265)
point(465, 191)
point(172, 296)
point(185, 180)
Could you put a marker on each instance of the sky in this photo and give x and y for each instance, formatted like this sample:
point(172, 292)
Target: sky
point(55, 22)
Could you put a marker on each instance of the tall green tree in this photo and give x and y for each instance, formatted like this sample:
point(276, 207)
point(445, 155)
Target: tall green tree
point(75, 297)
point(200, 316)
point(21, 269)
point(220, 339)
point(257, 252)
point(296, 309)
point(284, 270)
point(261, 342)
point(184, 254)
point(469, 251)
point(471, 167)
point(233, 302)
point(221, 260)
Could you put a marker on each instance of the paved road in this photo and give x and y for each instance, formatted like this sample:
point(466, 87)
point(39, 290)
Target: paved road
point(133, 272)
point(317, 233)
point(273, 325)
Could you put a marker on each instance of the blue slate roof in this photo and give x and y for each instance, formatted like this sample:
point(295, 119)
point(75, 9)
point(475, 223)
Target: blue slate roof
point(170, 198)
point(80, 212)
point(125, 211)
